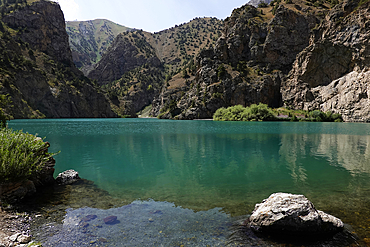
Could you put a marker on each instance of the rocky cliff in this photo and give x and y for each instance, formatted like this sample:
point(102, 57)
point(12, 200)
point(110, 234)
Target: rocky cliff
point(246, 66)
point(295, 53)
point(36, 64)
point(332, 73)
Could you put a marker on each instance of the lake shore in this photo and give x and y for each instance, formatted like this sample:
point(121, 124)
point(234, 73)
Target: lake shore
point(15, 225)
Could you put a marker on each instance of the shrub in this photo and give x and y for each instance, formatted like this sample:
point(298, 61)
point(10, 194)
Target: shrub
point(21, 155)
point(221, 71)
point(260, 112)
point(320, 116)
point(317, 115)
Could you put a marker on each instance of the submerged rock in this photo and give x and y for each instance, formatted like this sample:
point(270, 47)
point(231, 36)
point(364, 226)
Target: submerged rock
point(287, 214)
point(67, 177)
point(89, 217)
point(111, 220)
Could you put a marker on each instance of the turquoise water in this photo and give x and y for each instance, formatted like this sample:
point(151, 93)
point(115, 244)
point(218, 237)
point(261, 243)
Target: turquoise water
point(203, 165)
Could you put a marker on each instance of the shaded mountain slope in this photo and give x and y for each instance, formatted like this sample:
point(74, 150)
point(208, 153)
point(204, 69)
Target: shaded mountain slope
point(36, 67)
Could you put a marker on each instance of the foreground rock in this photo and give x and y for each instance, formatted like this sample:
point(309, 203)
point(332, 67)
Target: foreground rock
point(288, 214)
point(67, 177)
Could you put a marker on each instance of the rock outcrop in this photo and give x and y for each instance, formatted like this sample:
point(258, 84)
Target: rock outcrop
point(288, 214)
point(42, 26)
point(67, 177)
point(37, 70)
point(310, 57)
point(122, 56)
point(246, 66)
point(331, 74)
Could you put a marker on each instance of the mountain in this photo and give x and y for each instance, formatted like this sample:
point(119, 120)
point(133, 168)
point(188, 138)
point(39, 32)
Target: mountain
point(294, 53)
point(297, 54)
point(137, 64)
point(255, 3)
point(90, 39)
point(36, 66)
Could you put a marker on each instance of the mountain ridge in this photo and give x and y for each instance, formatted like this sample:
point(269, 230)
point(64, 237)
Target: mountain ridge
point(90, 39)
point(158, 56)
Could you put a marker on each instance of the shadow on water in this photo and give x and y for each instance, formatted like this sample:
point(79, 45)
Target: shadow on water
point(242, 235)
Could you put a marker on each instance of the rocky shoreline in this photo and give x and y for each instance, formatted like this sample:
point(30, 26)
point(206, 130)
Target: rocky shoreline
point(16, 202)
point(14, 228)
point(21, 221)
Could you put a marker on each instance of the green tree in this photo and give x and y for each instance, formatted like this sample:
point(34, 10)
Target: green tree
point(262, 5)
point(221, 71)
point(185, 73)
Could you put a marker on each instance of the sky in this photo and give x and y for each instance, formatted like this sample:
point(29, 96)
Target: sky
point(149, 15)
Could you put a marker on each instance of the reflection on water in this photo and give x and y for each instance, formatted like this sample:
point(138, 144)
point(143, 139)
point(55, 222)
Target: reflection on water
point(201, 165)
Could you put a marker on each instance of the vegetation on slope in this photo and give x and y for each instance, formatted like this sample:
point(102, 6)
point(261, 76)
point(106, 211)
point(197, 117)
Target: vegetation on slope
point(89, 40)
point(36, 69)
point(151, 60)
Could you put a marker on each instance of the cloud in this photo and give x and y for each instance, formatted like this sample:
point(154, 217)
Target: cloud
point(70, 9)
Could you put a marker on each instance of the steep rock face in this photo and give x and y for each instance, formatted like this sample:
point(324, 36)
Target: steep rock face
point(42, 25)
point(246, 66)
point(347, 95)
point(37, 70)
point(33, 95)
point(331, 73)
point(272, 45)
point(208, 90)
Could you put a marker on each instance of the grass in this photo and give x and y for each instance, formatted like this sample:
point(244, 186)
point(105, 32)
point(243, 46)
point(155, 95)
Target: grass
point(21, 155)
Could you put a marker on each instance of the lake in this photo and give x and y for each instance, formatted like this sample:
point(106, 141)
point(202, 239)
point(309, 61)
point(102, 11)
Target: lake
point(181, 181)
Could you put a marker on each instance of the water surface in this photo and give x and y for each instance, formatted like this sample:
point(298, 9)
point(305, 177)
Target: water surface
point(231, 166)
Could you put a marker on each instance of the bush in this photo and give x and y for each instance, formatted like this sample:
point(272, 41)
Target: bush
point(221, 71)
point(320, 116)
point(21, 155)
point(260, 112)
